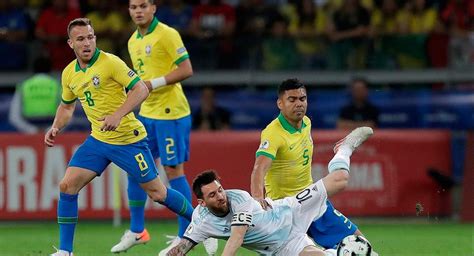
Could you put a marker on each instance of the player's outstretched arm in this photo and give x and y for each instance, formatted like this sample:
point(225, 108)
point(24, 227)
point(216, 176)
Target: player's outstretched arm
point(63, 116)
point(184, 71)
point(134, 98)
point(182, 248)
point(257, 185)
point(236, 239)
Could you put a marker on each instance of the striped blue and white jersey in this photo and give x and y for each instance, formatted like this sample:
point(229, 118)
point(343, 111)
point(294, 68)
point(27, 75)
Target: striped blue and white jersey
point(267, 232)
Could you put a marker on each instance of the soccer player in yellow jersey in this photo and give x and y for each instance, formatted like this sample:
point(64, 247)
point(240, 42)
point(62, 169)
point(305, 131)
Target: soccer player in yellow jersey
point(160, 58)
point(99, 79)
point(283, 163)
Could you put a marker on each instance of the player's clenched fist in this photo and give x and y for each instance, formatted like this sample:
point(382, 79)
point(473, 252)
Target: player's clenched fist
point(50, 136)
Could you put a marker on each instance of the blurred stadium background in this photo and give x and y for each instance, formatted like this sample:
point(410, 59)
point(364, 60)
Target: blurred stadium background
point(411, 188)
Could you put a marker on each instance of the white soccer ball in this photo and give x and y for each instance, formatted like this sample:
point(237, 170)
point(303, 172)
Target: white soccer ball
point(354, 246)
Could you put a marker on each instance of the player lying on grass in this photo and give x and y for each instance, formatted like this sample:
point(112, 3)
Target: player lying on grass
point(281, 230)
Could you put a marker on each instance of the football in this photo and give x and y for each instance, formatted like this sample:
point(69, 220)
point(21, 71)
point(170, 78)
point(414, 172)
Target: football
point(354, 246)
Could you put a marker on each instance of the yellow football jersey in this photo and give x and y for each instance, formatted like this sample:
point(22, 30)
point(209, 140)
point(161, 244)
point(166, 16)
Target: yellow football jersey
point(101, 89)
point(291, 151)
point(156, 54)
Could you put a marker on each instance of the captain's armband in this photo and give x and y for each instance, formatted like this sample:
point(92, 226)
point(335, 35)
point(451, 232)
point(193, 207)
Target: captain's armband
point(241, 218)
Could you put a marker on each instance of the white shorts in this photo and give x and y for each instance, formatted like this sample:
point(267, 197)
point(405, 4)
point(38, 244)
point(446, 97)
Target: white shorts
point(306, 206)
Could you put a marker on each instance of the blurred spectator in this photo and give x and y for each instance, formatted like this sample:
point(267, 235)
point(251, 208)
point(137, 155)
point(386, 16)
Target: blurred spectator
point(360, 112)
point(348, 30)
point(253, 19)
point(416, 18)
point(336, 4)
point(415, 22)
point(177, 14)
point(109, 25)
point(213, 25)
point(384, 30)
point(210, 116)
point(384, 19)
point(458, 18)
point(308, 24)
point(51, 29)
point(279, 48)
point(13, 33)
point(34, 103)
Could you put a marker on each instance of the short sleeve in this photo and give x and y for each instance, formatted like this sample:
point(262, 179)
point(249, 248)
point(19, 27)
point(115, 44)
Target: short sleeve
point(269, 144)
point(195, 231)
point(67, 95)
point(175, 47)
point(242, 205)
point(123, 74)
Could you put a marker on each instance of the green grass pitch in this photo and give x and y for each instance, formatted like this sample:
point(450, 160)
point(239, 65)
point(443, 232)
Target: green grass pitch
point(96, 238)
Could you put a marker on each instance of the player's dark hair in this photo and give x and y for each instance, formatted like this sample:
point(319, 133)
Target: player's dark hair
point(78, 22)
point(289, 84)
point(203, 179)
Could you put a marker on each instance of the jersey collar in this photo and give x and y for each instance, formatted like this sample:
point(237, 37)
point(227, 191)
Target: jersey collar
point(91, 62)
point(152, 27)
point(287, 126)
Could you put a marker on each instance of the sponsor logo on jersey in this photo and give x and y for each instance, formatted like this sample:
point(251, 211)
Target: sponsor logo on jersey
point(181, 50)
point(131, 73)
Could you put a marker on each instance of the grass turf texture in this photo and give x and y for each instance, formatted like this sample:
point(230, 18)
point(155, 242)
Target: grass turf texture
point(96, 238)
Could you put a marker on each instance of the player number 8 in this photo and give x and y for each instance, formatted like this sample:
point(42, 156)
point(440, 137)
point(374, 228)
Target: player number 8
point(141, 162)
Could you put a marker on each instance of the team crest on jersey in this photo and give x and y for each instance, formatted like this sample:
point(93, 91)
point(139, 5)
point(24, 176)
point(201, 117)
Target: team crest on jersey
point(265, 144)
point(96, 81)
point(148, 50)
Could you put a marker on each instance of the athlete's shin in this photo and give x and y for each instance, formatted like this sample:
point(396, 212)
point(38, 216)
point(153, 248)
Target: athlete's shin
point(136, 202)
point(181, 184)
point(67, 219)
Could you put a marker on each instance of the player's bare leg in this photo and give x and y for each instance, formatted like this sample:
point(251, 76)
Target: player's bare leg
point(311, 251)
point(75, 179)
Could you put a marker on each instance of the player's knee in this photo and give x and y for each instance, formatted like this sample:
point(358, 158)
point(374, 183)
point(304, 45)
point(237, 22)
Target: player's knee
point(64, 187)
point(342, 179)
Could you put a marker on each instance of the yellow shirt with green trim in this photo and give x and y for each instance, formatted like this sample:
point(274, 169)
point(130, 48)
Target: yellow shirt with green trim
point(100, 88)
point(156, 54)
point(291, 150)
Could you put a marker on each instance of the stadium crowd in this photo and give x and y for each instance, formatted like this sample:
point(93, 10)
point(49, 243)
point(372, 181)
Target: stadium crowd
point(258, 34)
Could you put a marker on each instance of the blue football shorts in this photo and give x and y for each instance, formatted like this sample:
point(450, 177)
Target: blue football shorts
point(331, 228)
point(135, 158)
point(168, 139)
